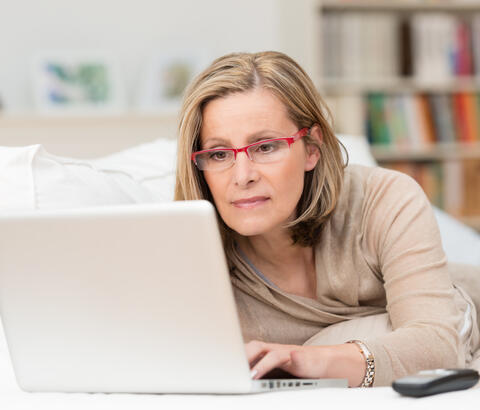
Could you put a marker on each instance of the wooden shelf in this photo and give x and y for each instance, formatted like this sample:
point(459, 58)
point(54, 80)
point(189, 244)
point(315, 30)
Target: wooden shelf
point(334, 86)
point(396, 5)
point(440, 151)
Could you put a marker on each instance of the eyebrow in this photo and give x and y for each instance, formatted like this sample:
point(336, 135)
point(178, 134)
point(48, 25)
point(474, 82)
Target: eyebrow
point(257, 136)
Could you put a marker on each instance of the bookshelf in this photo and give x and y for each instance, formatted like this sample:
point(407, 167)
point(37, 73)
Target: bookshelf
point(466, 6)
point(407, 75)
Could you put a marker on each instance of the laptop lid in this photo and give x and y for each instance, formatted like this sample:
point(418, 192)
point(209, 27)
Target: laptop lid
point(120, 299)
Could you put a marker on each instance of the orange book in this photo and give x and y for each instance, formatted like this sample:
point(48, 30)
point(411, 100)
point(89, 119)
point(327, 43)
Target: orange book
point(473, 108)
point(428, 128)
point(471, 119)
point(459, 117)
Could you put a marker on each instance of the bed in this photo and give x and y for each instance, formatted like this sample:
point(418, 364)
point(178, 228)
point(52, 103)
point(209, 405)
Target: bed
point(33, 178)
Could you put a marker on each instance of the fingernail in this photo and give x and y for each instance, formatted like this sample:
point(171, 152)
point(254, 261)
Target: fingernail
point(253, 373)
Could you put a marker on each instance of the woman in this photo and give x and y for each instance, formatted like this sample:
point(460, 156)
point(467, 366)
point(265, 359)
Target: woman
point(311, 242)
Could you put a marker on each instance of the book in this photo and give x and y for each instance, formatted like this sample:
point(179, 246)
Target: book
point(411, 119)
point(471, 183)
point(405, 50)
point(426, 120)
point(460, 119)
point(399, 129)
point(440, 116)
point(453, 187)
point(471, 116)
point(475, 31)
point(464, 52)
point(378, 127)
point(360, 45)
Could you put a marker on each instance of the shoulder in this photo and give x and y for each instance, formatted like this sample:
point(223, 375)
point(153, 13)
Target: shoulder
point(394, 209)
point(376, 177)
point(372, 196)
point(379, 185)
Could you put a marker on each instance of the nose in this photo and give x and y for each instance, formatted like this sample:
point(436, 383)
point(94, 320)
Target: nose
point(244, 170)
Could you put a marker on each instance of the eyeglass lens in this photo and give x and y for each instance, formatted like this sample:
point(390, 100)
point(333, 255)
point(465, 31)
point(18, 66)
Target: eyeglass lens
point(263, 152)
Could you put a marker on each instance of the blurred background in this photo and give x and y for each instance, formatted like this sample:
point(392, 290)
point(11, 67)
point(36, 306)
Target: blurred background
point(87, 78)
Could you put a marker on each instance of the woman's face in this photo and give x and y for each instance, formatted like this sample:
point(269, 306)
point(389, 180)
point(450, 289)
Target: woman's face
point(252, 198)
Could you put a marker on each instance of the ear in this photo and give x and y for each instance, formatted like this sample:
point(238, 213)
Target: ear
point(313, 153)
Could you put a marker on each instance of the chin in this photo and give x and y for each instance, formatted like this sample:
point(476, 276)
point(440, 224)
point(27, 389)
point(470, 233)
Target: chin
point(249, 232)
point(247, 229)
point(251, 228)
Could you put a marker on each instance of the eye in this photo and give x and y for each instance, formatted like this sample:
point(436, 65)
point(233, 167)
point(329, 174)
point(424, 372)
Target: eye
point(218, 155)
point(267, 147)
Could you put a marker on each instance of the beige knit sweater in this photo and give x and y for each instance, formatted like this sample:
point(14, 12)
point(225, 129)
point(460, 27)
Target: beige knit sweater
point(379, 252)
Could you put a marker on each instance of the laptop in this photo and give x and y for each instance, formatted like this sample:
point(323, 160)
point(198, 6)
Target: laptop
point(130, 298)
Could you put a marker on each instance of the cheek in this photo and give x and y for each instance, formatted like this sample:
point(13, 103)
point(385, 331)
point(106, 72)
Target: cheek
point(218, 187)
point(289, 186)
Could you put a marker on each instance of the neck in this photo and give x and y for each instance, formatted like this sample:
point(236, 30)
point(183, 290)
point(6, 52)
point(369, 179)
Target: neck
point(276, 256)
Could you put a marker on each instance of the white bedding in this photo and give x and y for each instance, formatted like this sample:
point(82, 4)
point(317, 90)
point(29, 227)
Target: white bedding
point(11, 397)
point(33, 179)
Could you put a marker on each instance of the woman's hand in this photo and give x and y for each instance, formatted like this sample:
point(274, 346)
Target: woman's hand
point(307, 362)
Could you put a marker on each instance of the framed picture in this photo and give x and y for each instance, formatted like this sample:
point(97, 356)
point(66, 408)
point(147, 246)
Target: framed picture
point(165, 79)
point(77, 83)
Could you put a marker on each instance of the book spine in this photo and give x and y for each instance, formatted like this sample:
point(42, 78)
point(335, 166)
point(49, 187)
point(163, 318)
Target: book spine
point(464, 49)
point(426, 119)
point(471, 181)
point(471, 115)
point(453, 190)
point(476, 43)
point(438, 118)
point(459, 118)
point(413, 125)
point(380, 132)
point(405, 47)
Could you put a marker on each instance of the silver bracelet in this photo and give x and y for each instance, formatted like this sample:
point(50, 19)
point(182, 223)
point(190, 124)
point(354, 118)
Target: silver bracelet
point(370, 360)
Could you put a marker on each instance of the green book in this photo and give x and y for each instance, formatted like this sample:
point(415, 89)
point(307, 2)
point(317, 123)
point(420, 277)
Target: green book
point(380, 134)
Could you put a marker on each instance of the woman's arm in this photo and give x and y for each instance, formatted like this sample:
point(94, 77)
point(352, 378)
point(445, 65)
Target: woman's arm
point(401, 230)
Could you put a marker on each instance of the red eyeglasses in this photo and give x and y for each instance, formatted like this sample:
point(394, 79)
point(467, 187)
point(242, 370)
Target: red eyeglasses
point(262, 152)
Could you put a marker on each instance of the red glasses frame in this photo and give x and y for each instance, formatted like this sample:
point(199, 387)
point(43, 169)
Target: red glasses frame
point(295, 137)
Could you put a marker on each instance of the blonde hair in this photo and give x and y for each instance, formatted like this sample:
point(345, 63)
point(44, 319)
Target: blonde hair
point(274, 71)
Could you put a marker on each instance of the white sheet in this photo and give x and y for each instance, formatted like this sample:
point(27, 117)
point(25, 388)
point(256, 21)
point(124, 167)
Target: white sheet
point(11, 397)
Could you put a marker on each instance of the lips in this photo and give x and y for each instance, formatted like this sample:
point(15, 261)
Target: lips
point(250, 202)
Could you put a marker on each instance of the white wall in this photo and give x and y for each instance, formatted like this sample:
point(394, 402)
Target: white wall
point(134, 30)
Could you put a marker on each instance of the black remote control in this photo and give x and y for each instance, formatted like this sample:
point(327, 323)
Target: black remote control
point(428, 382)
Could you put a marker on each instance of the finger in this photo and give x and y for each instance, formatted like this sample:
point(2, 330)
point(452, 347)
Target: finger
point(273, 359)
point(255, 350)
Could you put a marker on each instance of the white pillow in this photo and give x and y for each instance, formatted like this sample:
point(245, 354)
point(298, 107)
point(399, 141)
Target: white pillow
point(31, 178)
point(460, 242)
point(151, 165)
point(16, 183)
point(358, 150)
